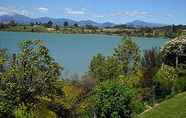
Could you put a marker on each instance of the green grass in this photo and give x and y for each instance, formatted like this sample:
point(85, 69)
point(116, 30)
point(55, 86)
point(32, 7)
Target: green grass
point(172, 108)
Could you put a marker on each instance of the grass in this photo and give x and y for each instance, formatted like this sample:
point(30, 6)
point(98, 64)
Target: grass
point(172, 108)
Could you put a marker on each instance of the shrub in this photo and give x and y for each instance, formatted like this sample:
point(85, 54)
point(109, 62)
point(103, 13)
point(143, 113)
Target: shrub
point(165, 80)
point(113, 99)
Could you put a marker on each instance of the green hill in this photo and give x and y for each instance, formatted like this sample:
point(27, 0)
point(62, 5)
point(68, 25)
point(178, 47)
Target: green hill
point(172, 108)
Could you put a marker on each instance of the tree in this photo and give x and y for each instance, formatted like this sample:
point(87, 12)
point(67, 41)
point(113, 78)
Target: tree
point(174, 52)
point(49, 24)
point(57, 27)
point(3, 60)
point(96, 68)
point(12, 23)
point(32, 24)
point(90, 27)
point(32, 77)
point(165, 81)
point(37, 23)
point(113, 100)
point(151, 62)
point(65, 24)
point(104, 68)
point(2, 26)
point(128, 56)
point(76, 25)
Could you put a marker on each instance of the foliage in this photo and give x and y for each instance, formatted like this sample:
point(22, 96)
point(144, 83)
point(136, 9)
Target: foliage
point(65, 24)
point(175, 48)
point(12, 23)
point(165, 80)
point(33, 74)
point(104, 68)
point(49, 24)
point(21, 112)
point(132, 81)
point(3, 56)
point(128, 55)
point(42, 112)
point(116, 86)
point(3, 60)
point(151, 62)
point(6, 106)
point(113, 99)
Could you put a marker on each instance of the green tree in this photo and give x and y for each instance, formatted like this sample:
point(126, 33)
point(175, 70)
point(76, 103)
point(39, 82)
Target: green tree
point(32, 24)
point(49, 24)
point(165, 81)
point(128, 55)
point(12, 23)
point(104, 68)
point(32, 77)
point(65, 24)
point(76, 25)
point(57, 28)
point(114, 100)
point(3, 59)
point(174, 52)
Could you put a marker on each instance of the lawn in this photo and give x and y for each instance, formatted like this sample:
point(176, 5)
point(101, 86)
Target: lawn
point(172, 108)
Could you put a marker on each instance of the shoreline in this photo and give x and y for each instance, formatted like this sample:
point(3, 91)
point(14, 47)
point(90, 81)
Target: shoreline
point(107, 34)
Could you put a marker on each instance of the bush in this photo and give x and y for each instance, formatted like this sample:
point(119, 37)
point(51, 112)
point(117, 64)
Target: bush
point(165, 81)
point(174, 51)
point(113, 99)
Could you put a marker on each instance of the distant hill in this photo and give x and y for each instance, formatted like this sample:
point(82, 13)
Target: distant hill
point(108, 24)
point(88, 22)
point(141, 24)
point(21, 19)
point(58, 21)
point(172, 108)
point(16, 17)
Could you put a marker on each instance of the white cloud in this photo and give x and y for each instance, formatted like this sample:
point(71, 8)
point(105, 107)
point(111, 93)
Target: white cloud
point(169, 15)
point(11, 10)
point(42, 9)
point(74, 12)
point(4, 10)
point(132, 14)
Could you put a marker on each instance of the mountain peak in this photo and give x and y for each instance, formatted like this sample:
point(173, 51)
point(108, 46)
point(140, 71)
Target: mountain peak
point(140, 24)
point(21, 19)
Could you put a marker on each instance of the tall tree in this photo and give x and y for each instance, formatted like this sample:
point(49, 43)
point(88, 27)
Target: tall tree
point(33, 78)
point(151, 62)
point(76, 25)
point(12, 23)
point(49, 24)
point(104, 68)
point(66, 24)
point(128, 55)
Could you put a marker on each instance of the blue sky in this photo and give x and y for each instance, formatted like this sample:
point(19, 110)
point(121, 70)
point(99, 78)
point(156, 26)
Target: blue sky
point(117, 11)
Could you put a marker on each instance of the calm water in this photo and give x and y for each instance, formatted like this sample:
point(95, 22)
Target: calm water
point(74, 51)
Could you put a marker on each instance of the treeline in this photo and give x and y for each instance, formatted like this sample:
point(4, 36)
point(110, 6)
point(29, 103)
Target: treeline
point(170, 31)
point(118, 86)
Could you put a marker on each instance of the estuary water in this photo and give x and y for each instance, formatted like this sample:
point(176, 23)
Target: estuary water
point(74, 51)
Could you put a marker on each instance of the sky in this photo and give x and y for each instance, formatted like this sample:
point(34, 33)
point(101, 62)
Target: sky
point(117, 11)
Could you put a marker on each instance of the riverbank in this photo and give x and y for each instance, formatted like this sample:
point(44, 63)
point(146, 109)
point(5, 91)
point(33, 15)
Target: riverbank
point(135, 32)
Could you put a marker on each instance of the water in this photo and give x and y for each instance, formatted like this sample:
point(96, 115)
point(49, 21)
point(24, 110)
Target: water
point(74, 51)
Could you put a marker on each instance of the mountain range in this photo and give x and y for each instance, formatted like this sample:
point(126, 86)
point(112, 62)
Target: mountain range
point(21, 19)
point(138, 24)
